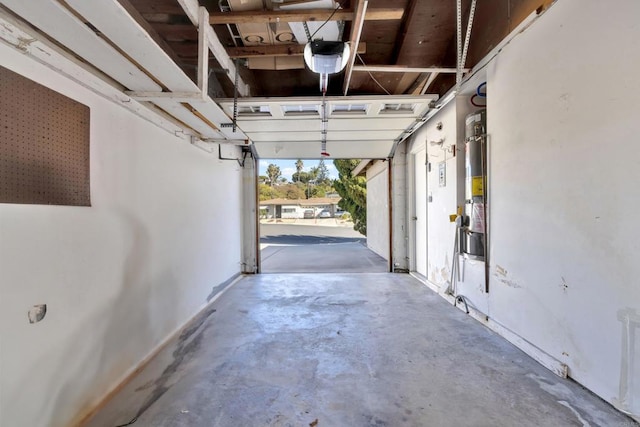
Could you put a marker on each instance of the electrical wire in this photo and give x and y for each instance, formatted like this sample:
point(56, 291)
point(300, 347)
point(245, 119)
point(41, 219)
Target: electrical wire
point(474, 104)
point(371, 75)
point(129, 423)
point(339, 6)
point(479, 88)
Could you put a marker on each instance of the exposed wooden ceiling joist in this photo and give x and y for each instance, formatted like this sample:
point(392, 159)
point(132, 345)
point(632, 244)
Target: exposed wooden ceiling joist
point(417, 84)
point(403, 69)
point(356, 32)
point(126, 4)
point(407, 80)
point(191, 9)
point(422, 36)
point(273, 16)
point(60, 24)
point(432, 77)
point(274, 50)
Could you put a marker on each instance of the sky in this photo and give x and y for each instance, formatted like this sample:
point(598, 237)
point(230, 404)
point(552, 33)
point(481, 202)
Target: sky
point(288, 167)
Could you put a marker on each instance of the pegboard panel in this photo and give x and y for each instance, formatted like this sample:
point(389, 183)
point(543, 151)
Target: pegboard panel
point(44, 144)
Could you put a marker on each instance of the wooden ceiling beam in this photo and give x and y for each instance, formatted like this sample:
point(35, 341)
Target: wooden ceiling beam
point(404, 69)
point(405, 83)
point(126, 4)
point(432, 77)
point(275, 50)
point(321, 15)
point(191, 9)
point(418, 84)
point(356, 32)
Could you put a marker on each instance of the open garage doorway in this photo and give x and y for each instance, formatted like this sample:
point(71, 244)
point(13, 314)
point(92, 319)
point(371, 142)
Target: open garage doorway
point(305, 226)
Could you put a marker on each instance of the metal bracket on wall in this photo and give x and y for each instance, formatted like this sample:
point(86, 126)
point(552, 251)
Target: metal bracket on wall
point(241, 163)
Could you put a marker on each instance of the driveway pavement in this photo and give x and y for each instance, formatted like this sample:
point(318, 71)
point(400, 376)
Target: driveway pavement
point(291, 248)
point(323, 222)
point(307, 234)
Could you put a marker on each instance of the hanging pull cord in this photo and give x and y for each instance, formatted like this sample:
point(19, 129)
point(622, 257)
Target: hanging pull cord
point(235, 98)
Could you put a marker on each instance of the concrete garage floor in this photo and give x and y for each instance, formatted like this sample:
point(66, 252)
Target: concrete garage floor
point(346, 350)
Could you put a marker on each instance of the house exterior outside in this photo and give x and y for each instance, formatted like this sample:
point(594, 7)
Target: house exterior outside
point(300, 208)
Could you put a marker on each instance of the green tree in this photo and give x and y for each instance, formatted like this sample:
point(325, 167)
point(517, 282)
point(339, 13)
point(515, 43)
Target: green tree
point(283, 191)
point(313, 173)
point(299, 166)
point(273, 172)
point(322, 189)
point(266, 193)
point(353, 191)
point(291, 191)
point(304, 177)
point(323, 173)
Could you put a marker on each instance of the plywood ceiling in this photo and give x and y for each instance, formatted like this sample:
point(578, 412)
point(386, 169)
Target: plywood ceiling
point(421, 35)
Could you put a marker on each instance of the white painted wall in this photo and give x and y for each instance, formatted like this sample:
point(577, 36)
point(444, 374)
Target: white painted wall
point(434, 203)
point(378, 208)
point(117, 277)
point(564, 166)
point(440, 230)
point(296, 211)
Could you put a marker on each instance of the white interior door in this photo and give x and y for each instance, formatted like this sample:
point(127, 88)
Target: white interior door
point(420, 174)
